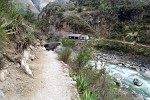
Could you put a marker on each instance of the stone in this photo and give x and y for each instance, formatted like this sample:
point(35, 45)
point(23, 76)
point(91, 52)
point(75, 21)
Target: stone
point(32, 57)
point(2, 76)
point(6, 72)
point(32, 47)
point(143, 69)
point(120, 64)
point(58, 49)
point(138, 96)
point(51, 46)
point(147, 74)
point(118, 76)
point(17, 65)
point(127, 65)
point(137, 82)
point(38, 44)
point(138, 69)
point(117, 79)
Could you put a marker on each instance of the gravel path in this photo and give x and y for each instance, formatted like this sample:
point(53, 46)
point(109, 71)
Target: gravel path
point(55, 85)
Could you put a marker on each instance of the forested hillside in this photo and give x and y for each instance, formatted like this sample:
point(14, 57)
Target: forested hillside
point(124, 20)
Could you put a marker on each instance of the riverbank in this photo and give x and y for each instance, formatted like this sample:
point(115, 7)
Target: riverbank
point(137, 62)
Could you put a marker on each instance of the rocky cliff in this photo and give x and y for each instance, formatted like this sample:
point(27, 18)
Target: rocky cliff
point(37, 5)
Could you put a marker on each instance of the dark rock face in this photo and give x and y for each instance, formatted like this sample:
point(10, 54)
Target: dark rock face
point(137, 82)
point(51, 46)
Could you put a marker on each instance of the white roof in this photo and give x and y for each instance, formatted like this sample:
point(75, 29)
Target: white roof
point(85, 36)
point(76, 35)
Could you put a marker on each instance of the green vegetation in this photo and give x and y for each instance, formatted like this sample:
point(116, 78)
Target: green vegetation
point(122, 47)
point(82, 84)
point(67, 42)
point(83, 57)
point(13, 21)
point(29, 15)
point(65, 55)
point(92, 84)
point(29, 36)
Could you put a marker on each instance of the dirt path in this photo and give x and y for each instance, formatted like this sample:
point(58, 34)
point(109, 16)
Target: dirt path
point(54, 84)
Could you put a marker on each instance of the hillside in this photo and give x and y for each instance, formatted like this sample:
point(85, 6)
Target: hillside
point(36, 5)
point(120, 21)
point(38, 60)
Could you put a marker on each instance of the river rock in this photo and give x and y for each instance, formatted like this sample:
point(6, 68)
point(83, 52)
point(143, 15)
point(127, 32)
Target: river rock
point(120, 64)
point(138, 69)
point(138, 97)
point(127, 65)
point(117, 76)
point(143, 69)
point(147, 74)
point(137, 82)
point(117, 79)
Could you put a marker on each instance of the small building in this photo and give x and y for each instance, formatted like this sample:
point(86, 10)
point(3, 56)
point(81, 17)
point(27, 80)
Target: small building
point(78, 36)
point(84, 37)
point(74, 36)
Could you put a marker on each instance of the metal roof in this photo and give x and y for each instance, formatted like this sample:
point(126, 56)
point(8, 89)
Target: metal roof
point(85, 36)
point(76, 35)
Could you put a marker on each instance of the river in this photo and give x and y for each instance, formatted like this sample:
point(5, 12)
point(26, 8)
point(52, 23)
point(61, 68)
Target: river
point(128, 76)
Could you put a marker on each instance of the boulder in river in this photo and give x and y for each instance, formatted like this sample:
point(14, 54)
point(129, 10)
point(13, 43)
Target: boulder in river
point(138, 96)
point(137, 82)
point(147, 74)
point(117, 79)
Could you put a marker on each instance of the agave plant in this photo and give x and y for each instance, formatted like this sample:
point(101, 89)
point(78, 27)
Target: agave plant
point(82, 83)
point(88, 95)
point(3, 32)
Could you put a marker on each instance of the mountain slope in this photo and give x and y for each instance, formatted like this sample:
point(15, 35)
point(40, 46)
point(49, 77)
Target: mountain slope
point(27, 3)
point(37, 5)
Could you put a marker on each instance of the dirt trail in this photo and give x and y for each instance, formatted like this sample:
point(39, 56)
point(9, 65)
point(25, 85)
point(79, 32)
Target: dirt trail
point(53, 84)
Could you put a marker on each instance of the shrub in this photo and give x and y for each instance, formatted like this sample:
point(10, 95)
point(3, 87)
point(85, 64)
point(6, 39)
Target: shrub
point(29, 15)
point(65, 55)
point(3, 33)
point(70, 6)
point(83, 57)
point(67, 42)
